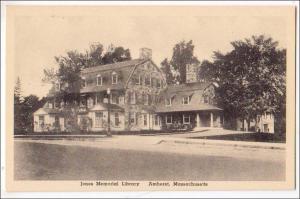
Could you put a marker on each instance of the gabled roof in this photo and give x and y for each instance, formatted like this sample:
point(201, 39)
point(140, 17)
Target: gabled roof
point(184, 89)
point(177, 92)
point(123, 69)
point(44, 111)
point(113, 66)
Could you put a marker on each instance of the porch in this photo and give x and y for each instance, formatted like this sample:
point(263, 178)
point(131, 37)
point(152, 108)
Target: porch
point(195, 120)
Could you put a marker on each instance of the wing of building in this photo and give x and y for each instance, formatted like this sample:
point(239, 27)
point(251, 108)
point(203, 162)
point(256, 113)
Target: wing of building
point(129, 96)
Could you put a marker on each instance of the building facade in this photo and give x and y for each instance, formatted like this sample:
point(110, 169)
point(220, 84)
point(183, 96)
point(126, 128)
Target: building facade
point(130, 96)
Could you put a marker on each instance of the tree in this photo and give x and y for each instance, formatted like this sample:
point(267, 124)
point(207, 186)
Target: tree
point(18, 118)
point(117, 54)
point(251, 77)
point(166, 68)
point(30, 104)
point(70, 65)
point(183, 55)
point(17, 91)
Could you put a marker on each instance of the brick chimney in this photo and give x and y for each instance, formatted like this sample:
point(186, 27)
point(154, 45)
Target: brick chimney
point(145, 53)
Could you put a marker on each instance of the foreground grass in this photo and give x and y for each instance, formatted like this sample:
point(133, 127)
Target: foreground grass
point(247, 137)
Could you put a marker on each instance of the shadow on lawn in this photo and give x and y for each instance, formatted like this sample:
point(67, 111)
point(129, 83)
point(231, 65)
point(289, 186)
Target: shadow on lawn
point(248, 137)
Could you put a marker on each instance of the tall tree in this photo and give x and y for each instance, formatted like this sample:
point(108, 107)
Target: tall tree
point(17, 91)
point(183, 55)
point(251, 77)
point(18, 118)
point(166, 68)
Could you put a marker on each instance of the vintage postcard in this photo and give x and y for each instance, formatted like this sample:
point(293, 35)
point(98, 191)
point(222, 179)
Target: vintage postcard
point(150, 98)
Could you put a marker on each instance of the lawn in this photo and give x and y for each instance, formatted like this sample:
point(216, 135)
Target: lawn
point(247, 137)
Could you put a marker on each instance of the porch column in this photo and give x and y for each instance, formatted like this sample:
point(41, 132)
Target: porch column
point(218, 120)
point(211, 119)
point(198, 120)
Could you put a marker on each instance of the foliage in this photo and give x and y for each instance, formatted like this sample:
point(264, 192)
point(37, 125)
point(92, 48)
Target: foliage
point(183, 55)
point(24, 109)
point(251, 77)
point(166, 68)
point(70, 65)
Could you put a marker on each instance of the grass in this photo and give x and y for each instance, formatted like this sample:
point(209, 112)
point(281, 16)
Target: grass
point(247, 137)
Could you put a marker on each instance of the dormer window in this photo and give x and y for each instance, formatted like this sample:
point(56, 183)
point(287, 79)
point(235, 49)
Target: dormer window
point(83, 82)
point(99, 80)
point(186, 100)
point(168, 101)
point(114, 78)
point(206, 99)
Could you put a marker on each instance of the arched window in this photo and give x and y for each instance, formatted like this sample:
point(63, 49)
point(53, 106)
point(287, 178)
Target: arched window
point(99, 80)
point(114, 78)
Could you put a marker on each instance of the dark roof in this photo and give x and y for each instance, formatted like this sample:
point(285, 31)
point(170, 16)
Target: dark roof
point(123, 69)
point(190, 107)
point(177, 92)
point(113, 66)
point(187, 87)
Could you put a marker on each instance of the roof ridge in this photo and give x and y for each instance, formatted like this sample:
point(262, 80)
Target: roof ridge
point(101, 67)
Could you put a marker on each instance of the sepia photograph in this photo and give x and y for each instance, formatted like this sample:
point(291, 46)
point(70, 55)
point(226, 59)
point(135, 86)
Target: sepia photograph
point(129, 98)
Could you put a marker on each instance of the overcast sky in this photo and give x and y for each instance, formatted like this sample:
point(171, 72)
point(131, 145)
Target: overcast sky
point(39, 39)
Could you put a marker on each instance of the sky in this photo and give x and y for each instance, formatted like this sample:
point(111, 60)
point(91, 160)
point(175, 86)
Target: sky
point(39, 38)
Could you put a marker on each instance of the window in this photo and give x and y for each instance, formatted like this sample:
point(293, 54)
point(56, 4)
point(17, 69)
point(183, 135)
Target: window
point(98, 99)
point(114, 99)
point(56, 121)
point(145, 119)
point(117, 119)
point(146, 99)
point(114, 78)
point(132, 118)
point(158, 83)
point(169, 119)
point(186, 100)
point(41, 121)
point(99, 80)
point(98, 119)
point(121, 99)
point(153, 82)
point(139, 80)
point(186, 119)
point(168, 102)
point(132, 97)
point(83, 82)
point(147, 80)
